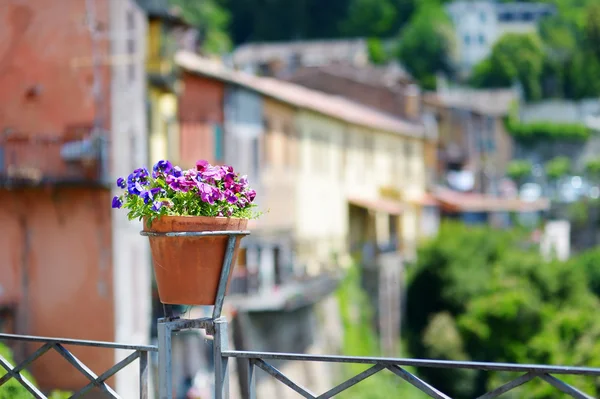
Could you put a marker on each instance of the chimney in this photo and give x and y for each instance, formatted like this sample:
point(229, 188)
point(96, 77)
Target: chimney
point(412, 101)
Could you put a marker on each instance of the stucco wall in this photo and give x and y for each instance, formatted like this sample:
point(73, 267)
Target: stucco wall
point(200, 110)
point(279, 166)
point(58, 243)
point(48, 47)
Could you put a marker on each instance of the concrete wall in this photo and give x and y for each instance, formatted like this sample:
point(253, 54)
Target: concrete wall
point(130, 252)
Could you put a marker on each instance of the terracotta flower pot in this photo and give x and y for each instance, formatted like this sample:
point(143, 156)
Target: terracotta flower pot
point(188, 269)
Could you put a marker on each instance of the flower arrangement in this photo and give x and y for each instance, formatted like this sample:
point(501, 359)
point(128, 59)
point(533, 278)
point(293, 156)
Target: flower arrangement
point(207, 190)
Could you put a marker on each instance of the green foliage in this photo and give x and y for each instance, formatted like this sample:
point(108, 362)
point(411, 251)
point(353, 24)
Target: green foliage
point(592, 167)
point(518, 170)
point(538, 131)
point(481, 294)
point(361, 340)
point(558, 167)
point(211, 19)
point(514, 58)
point(372, 17)
point(377, 52)
point(426, 44)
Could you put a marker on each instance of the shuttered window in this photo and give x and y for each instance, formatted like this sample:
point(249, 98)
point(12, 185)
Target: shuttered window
point(218, 142)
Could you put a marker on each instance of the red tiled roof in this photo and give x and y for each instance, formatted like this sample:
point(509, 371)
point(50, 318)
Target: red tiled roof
point(332, 106)
point(473, 202)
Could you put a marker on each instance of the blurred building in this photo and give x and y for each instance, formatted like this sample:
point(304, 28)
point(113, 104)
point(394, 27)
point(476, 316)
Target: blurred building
point(167, 33)
point(334, 177)
point(281, 58)
point(474, 146)
point(479, 24)
point(72, 119)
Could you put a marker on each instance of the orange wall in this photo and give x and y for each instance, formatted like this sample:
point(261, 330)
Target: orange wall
point(55, 251)
point(200, 107)
point(41, 43)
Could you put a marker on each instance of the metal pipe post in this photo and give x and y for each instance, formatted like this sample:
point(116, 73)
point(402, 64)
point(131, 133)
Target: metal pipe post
point(221, 369)
point(165, 379)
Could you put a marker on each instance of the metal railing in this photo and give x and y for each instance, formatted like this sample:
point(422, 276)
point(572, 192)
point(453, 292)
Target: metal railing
point(96, 381)
point(529, 373)
point(217, 326)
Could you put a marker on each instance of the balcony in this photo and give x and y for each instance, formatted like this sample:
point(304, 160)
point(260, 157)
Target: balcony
point(39, 160)
point(248, 293)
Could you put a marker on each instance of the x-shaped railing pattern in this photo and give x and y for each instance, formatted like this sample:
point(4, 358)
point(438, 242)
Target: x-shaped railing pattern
point(96, 381)
point(257, 359)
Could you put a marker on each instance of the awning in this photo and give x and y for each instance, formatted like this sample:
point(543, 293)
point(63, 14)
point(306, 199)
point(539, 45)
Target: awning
point(381, 205)
point(455, 201)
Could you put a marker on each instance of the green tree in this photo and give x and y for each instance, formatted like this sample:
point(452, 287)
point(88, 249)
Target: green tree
point(514, 58)
point(426, 44)
point(377, 52)
point(211, 19)
point(369, 18)
point(498, 300)
point(518, 170)
point(592, 168)
point(557, 167)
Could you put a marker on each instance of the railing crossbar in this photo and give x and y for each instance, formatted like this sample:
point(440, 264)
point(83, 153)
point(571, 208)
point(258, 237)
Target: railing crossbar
point(21, 366)
point(351, 382)
point(417, 383)
point(269, 369)
point(107, 374)
point(37, 394)
point(426, 363)
point(517, 382)
point(83, 369)
point(78, 342)
point(564, 387)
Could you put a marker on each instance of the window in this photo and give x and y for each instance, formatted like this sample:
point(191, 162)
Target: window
point(369, 152)
point(131, 45)
point(218, 141)
point(528, 16)
point(267, 156)
point(482, 17)
point(290, 145)
point(481, 39)
point(255, 156)
point(408, 160)
point(467, 40)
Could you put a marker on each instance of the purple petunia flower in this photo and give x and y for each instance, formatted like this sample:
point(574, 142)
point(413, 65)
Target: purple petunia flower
point(213, 173)
point(121, 183)
point(149, 195)
point(177, 172)
point(251, 194)
point(135, 188)
point(201, 165)
point(208, 193)
point(161, 167)
point(156, 205)
point(230, 197)
point(117, 203)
